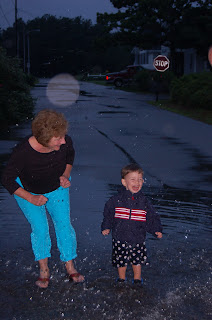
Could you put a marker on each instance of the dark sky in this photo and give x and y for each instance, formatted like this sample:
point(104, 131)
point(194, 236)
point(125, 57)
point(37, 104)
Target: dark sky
point(30, 9)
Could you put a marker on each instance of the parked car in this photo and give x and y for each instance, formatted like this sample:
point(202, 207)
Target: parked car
point(124, 76)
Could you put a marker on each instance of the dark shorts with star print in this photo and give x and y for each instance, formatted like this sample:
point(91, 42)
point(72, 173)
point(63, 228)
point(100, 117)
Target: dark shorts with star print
point(124, 253)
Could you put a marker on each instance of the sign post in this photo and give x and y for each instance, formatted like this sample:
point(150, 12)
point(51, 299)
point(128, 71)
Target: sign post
point(161, 64)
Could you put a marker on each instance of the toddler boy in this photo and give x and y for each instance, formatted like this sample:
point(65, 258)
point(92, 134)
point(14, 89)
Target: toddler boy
point(130, 215)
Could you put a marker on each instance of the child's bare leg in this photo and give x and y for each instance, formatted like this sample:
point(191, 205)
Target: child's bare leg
point(137, 271)
point(44, 274)
point(122, 272)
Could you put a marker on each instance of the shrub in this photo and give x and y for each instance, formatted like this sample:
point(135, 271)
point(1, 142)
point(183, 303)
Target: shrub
point(154, 81)
point(20, 106)
point(31, 80)
point(193, 90)
point(143, 78)
point(16, 103)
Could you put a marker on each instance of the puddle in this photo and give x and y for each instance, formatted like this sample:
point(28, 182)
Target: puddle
point(114, 112)
point(115, 107)
point(87, 94)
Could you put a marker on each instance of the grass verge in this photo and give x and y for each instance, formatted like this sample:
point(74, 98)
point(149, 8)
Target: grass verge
point(203, 115)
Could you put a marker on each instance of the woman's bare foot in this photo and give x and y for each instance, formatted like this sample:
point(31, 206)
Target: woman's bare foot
point(43, 280)
point(74, 275)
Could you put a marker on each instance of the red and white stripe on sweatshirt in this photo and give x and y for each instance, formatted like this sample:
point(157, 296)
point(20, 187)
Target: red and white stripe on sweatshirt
point(133, 214)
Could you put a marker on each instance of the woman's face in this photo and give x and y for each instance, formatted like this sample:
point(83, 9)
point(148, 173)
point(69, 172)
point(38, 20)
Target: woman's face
point(55, 143)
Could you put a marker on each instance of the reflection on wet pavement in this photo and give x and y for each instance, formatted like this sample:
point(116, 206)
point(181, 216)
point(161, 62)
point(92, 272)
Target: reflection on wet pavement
point(113, 112)
point(87, 94)
point(115, 107)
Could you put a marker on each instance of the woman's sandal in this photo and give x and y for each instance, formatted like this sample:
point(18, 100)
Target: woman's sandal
point(42, 280)
point(75, 275)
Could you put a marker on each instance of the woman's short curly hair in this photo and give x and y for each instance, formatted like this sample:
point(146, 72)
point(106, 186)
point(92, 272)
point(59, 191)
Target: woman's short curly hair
point(48, 124)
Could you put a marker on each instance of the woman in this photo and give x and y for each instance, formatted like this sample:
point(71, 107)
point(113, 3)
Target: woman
point(38, 174)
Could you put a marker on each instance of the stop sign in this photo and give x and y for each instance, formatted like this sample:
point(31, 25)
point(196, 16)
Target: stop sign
point(161, 63)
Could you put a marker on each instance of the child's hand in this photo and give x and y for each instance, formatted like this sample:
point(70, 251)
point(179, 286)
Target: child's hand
point(159, 235)
point(106, 232)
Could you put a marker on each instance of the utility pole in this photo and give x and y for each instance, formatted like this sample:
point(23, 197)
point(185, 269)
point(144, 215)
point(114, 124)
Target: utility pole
point(28, 61)
point(24, 47)
point(16, 30)
point(28, 48)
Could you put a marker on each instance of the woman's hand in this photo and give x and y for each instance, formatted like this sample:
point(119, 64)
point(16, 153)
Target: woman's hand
point(64, 182)
point(38, 200)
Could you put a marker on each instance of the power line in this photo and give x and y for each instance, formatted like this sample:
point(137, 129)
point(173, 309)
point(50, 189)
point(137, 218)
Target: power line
point(4, 15)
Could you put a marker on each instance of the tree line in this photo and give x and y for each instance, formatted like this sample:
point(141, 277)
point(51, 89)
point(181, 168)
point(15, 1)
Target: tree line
point(56, 45)
point(48, 45)
point(76, 45)
point(148, 24)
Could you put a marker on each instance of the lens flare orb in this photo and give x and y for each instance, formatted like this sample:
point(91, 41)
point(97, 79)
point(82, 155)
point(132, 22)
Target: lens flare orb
point(63, 90)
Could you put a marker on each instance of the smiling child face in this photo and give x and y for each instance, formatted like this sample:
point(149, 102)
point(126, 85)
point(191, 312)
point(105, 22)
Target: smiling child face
point(133, 181)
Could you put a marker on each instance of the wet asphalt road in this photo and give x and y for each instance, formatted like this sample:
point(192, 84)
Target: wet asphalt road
point(111, 128)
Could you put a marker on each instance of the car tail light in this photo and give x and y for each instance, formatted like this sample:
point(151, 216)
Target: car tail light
point(107, 78)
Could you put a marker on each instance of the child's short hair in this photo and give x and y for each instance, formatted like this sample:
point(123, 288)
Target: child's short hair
point(133, 167)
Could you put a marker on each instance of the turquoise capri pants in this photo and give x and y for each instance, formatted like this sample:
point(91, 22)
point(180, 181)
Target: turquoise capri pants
point(58, 206)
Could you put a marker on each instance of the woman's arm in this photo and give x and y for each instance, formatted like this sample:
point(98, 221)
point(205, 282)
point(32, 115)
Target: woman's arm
point(64, 179)
point(67, 171)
